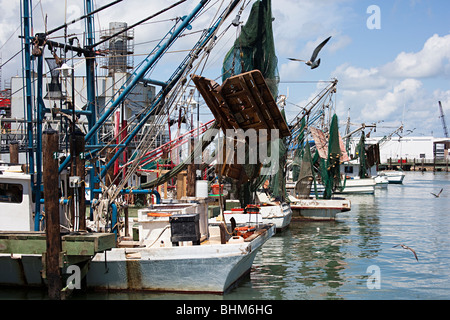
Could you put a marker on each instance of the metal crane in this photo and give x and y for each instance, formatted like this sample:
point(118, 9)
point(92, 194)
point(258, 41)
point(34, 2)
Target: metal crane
point(443, 120)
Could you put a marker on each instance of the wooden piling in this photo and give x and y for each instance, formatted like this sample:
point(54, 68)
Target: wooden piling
point(50, 142)
point(109, 177)
point(190, 185)
point(181, 185)
point(80, 171)
point(125, 210)
point(14, 152)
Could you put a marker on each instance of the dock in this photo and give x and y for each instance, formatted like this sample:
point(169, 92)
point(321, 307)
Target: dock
point(408, 164)
point(77, 248)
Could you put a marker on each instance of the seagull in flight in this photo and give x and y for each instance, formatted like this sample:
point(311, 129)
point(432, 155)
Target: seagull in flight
point(312, 62)
point(437, 195)
point(407, 248)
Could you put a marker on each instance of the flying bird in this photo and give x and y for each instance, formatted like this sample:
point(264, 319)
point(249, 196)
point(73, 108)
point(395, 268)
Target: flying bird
point(407, 248)
point(437, 195)
point(312, 62)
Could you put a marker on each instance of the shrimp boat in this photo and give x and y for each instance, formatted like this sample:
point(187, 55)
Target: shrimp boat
point(318, 209)
point(392, 176)
point(172, 247)
point(307, 207)
point(177, 251)
point(159, 259)
point(309, 200)
point(265, 211)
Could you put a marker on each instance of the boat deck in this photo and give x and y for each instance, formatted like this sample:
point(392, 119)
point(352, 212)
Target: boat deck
point(215, 238)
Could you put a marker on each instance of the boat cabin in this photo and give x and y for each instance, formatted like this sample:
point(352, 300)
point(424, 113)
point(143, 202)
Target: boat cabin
point(16, 203)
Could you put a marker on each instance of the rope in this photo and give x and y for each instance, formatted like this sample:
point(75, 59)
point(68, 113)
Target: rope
point(205, 141)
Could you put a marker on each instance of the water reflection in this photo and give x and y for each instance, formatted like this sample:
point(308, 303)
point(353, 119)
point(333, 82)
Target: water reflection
point(307, 257)
point(329, 260)
point(368, 223)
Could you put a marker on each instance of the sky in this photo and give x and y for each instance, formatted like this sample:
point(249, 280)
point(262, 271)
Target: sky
point(391, 58)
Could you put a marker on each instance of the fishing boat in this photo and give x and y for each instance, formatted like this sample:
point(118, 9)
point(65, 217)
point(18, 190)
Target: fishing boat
point(358, 185)
point(393, 176)
point(318, 209)
point(308, 196)
point(381, 180)
point(160, 259)
point(173, 248)
point(265, 211)
point(177, 251)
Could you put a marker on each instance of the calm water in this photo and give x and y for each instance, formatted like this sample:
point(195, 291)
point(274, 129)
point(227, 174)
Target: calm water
point(334, 260)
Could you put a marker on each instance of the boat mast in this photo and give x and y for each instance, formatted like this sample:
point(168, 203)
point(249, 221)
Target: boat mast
point(90, 85)
point(26, 43)
point(38, 43)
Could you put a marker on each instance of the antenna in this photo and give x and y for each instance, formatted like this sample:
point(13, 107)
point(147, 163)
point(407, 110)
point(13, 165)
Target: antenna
point(443, 120)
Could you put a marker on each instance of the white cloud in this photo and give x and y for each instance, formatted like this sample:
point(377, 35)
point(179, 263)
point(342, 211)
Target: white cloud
point(397, 91)
point(339, 42)
point(393, 102)
point(430, 61)
point(311, 21)
point(354, 78)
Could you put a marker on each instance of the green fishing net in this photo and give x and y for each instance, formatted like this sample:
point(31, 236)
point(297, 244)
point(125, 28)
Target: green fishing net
point(255, 47)
point(330, 167)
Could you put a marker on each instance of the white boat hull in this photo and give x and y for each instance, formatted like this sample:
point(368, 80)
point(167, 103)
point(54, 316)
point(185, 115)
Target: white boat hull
point(358, 186)
point(395, 177)
point(278, 215)
point(318, 209)
point(154, 262)
point(381, 181)
point(211, 269)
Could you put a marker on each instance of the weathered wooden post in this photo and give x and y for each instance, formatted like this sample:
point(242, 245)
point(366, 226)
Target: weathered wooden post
point(190, 185)
point(109, 177)
point(14, 152)
point(125, 210)
point(80, 171)
point(434, 162)
point(52, 224)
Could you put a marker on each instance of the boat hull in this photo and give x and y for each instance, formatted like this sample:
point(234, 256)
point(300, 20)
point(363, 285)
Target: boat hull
point(203, 268)
point(318, 209)
point(278, 215)
point(358, 186)
point(394, 177)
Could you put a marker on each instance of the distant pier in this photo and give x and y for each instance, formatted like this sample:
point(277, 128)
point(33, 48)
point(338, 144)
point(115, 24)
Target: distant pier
point(421, 164)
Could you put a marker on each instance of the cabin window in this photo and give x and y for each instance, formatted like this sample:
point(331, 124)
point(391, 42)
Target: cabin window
point(348, 169)
point(10, 192)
